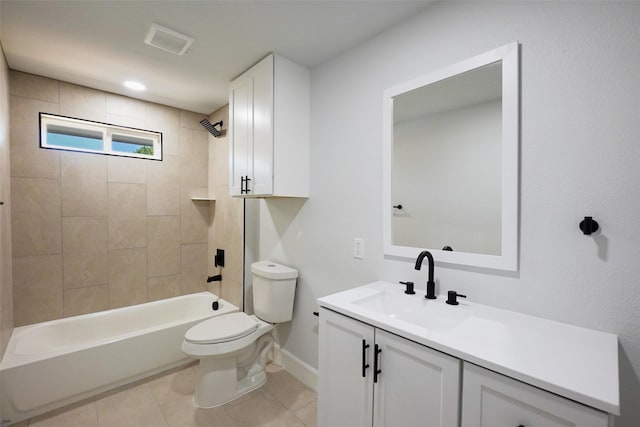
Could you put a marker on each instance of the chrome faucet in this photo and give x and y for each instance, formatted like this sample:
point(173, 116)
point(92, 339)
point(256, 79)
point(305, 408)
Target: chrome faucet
point(431, 286)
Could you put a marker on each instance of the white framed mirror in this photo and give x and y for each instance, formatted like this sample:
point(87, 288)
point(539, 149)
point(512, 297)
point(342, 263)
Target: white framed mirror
point(451, 163)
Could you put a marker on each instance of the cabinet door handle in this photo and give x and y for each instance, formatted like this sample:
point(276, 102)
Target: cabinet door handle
point(244, 184)
point(376, 371)
point(365, 365)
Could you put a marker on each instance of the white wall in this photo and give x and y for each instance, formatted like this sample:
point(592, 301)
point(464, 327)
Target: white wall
point(580, 152)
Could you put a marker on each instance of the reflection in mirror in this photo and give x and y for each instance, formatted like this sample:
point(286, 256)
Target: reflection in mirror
point(451, 162)
point(446, 143)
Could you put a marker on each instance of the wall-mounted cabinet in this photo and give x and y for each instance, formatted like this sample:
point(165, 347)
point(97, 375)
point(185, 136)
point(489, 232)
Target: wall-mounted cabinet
point(269, 130)
point(370, 377)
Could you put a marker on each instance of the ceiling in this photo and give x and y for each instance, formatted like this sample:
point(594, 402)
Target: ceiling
point(100, 44)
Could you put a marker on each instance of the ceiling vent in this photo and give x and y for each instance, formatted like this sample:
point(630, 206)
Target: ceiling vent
point(169, 40)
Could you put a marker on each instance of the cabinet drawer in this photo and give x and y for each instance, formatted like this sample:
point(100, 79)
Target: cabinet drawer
point(493, 400)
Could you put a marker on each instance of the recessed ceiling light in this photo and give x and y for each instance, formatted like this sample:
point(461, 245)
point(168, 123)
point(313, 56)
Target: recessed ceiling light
point(130, 84)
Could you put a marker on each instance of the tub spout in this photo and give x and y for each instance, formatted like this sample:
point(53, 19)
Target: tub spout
point(216, 278)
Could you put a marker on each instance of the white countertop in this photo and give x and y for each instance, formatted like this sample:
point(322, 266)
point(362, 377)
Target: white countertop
point(574, 362)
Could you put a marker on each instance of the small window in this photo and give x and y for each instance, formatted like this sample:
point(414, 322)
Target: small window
point(64, 133)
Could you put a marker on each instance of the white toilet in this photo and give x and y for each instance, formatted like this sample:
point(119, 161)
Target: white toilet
point(233, 348)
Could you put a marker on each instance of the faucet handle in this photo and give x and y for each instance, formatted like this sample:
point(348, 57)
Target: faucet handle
point(452, 297)
point(409, 290)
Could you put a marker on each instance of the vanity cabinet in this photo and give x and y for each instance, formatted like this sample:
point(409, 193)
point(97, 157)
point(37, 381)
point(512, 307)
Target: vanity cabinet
point(494, 400)
point(370, 377)
point(269, 130)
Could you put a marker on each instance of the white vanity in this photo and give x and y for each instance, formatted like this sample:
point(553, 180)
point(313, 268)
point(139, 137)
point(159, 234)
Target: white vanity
point(391, 359)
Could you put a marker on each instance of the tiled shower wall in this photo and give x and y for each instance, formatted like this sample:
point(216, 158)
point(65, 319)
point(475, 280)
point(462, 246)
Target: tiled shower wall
point(6, 306)
point(92, 232)
point(226, 228)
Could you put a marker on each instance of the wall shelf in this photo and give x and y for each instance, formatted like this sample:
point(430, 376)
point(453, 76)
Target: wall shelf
point(203, 199)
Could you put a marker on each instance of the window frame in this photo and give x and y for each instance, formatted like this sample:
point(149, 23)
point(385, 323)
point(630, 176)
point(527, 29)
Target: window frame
point(106, 129)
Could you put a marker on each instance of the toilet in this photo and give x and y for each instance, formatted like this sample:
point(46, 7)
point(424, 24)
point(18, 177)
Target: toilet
point(233, 347)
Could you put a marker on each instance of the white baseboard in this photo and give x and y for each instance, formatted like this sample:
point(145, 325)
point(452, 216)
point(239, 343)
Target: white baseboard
point(305, 373)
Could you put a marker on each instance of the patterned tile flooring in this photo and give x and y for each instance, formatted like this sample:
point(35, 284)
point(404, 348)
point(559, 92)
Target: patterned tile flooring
point(166, 401)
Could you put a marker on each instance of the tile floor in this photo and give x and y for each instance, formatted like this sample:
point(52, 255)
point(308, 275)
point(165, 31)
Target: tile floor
point(165, 401)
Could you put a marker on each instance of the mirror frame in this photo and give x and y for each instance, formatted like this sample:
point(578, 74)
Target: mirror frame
point(508, 260)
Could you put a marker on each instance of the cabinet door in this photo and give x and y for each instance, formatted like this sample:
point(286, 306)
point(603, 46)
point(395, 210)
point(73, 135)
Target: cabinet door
point(417, 386)
point(493, 400)
point(240, 132)
point(262, 157)
point(345, 392)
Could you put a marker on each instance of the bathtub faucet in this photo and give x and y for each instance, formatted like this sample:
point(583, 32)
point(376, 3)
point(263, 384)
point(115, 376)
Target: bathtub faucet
point(216, 278)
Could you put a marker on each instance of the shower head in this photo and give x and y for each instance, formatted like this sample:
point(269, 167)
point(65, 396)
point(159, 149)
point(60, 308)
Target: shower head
point(212, 127)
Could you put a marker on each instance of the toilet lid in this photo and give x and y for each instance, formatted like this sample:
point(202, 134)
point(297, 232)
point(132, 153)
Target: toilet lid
point(222, 328)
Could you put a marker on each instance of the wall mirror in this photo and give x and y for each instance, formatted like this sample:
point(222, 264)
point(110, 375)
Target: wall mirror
point(451, 149)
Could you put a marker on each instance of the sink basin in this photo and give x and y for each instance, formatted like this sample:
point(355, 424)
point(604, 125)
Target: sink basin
point(434, 315)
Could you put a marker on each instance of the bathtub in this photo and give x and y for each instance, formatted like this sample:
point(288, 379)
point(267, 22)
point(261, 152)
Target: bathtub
point(52, 364)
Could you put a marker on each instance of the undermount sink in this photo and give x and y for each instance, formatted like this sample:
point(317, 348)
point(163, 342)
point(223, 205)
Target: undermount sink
point(434, 315)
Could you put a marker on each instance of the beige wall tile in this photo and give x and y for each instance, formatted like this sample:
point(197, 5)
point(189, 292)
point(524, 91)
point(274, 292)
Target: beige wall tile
point(35, 235)
point(27, 158)
point(163, 200)
point(35, 215)
point(84, 184)
point(32, 86)
point(85, 300)
point(84, 197)
point(127, 216)
point(191, 120)
point(76, 166)
point(82, 102)
point(226, 224)
point(194, 154)
point(163, 243)
point(129, 211)
point(124, 233)
point(194, 216)
point(35, 196)
point(127, 201)
point(220, 165)
point(194, 268)
point(165, 119)
point(163, 187)
point(85, 251)
point(126, 121)
point(125, 106)
point(127, 277)
point(163, 287)
point(221, 219)
point(127, 170)
point(37, 288)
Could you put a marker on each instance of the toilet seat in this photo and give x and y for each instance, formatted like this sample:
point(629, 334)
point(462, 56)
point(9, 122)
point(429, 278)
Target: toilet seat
point(223, 328)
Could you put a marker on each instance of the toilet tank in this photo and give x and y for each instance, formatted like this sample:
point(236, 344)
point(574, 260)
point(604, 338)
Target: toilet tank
point(274, 288)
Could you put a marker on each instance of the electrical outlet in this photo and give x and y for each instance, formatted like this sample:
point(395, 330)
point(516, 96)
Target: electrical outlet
point(358, 248)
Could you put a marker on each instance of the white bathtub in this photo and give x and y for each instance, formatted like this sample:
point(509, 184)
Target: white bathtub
point(51, 364)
